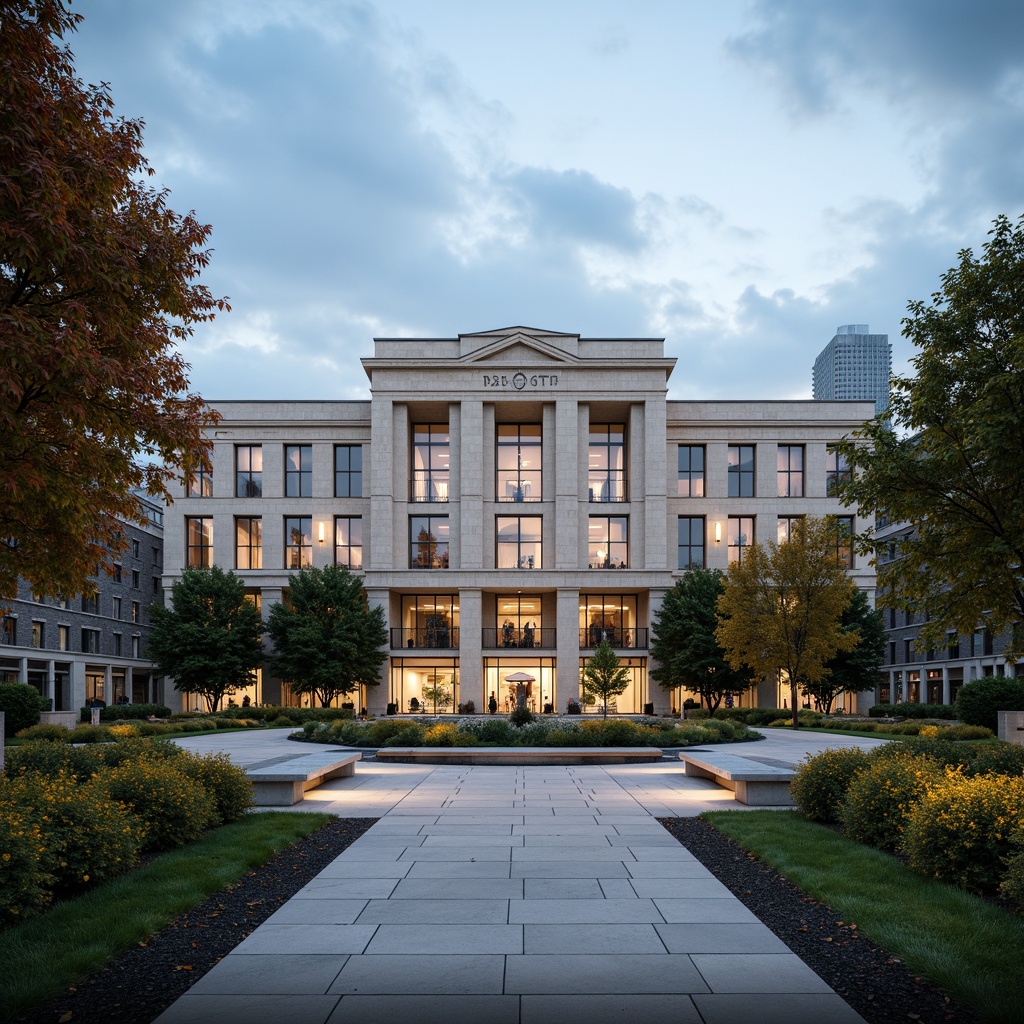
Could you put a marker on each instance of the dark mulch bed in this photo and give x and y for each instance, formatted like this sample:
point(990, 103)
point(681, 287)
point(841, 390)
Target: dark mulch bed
point(874, 982)
point(139, 984)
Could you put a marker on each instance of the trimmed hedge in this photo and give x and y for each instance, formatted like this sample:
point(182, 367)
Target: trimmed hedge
point(22, 705)
point(978, 702)
point(127, 712)
point(909, 709)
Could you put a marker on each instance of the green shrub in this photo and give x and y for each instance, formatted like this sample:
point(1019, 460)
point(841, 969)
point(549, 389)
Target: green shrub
point(534, 735)
point(908, 709)
point(960, 831)
point(995, 758)
point(226, 782)
point(124, 712)
point(1012, 886)
point(697, 714)
point(21, 705)
point(821, 782)
point(25, 883)
point(45, 731)
point(880, 800)
point(621, 732)
point(978, 702)
point(568, 736)
point(521, 717)
point(90, 734)
point(348, 732)
point(175, 810)
point(497, 730)
point(959, 732)
point(410, 736)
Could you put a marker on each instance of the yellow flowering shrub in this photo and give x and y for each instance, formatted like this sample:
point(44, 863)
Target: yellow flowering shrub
point(880, 800)
point(441, 735)
point(25, 883)
point(961, 831)
point(822, 781)
point(175, 810)
point(224, 781)
point(88, 837)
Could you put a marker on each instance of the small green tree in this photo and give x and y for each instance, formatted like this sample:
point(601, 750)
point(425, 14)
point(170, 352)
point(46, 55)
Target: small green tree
point(438, 695)
point(603, 676)
point(327, 641)
point(685, 647)
point(21, 705)
point(782, 607)
point(210, 639)
point(856, 670)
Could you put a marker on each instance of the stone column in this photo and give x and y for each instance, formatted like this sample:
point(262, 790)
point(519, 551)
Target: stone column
point(108, 685)
point(471, 680)
point(378, 697)
point(51, 683)
point(384, 476)
point(270, 596)
point(569, 483)
point(655, 506)
point(567, 665)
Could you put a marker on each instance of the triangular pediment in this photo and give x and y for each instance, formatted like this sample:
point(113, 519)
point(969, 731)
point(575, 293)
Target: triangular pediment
point(518, 347)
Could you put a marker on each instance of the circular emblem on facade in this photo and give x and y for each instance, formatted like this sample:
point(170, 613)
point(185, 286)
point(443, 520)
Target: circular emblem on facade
point(519, 381)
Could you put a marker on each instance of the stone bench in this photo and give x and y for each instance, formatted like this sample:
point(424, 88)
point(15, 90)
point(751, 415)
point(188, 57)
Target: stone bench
point(519, 755)
point(753, 783)
point(283, 784)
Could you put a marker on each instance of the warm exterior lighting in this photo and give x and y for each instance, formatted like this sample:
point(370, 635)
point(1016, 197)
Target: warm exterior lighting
point(321, 534)
point(718, 533)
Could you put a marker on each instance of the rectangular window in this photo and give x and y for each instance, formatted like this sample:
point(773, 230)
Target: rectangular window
point(788, 525)
point(428, 542)
point(136, 646)
point(518, 542)
point(348, 471)
point(518, 462)
point(200, 485)
point(157, 561)
point(115, 607)
point(741, 470)
point(790, 470)
point(63, 638)
point(954, 645)
point(117, 645)
point(198, 542)
point(298, 542)
point(431, 462)
point(844, 541)
point(608, 542)
point(39, 635)
point(249, 471)
point(136, 611)
point(136, 579)
point(135, 549)
point(348, 542)
point(248, 542)
point(691, 471)
point(691, 542)
point(606, 462)
point(91, 603)
point(610, 617)
point(156, 584)
point(9, 630)
point(908, 652)
point(892, 652)
point(117, 573)
point(741, 536)
point(837, 473)
point(90, 641)
point(298, 471)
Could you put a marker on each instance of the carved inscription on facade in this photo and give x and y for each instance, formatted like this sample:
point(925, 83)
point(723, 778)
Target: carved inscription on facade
point(520, 380)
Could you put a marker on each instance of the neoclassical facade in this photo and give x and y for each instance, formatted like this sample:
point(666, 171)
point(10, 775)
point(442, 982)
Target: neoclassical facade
point(511, 498)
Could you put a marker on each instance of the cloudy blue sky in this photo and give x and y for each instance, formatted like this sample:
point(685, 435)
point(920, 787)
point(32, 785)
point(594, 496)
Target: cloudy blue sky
point(738, 178)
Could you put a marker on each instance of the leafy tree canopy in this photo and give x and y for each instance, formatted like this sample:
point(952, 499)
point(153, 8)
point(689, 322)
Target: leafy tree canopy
point(97, 286)
point(685, 646)
point(782, 607)
point(210, 640)
point(953, 467)
point(855, 670)
point(327, 641)
point(603, 676)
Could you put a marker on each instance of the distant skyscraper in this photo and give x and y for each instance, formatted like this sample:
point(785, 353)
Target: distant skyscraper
point(854, 364)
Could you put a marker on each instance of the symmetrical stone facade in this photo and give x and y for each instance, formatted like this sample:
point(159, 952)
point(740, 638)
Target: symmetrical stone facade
point(511, 498)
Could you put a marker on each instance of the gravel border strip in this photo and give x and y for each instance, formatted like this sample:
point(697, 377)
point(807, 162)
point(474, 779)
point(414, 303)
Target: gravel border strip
point(873, 981)
point(138, 984)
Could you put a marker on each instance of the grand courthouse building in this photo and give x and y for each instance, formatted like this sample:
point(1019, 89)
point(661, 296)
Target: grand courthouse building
point(511, 498)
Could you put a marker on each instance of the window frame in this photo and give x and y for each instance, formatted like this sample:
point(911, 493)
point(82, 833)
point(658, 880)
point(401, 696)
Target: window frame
point(737, 533)
point(742, 482)
point(790, 480)
point(518, 484)
point(837, 473)
point(430, 482)
point(349, 546)
point(689, 546)
point(438, 551)
point(250, 552)
point(302, 551)
point(607, 483)
point(691, 482)
point(353, 477)
point(248, 481)
point(791, 521)
point(844, 541)
point(534, 558)
point(202, 546)
point(298, 482)
point(604, 543)
point(200, 484)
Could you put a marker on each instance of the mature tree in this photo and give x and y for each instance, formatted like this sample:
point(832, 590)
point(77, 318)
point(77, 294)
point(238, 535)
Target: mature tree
point(603, 676)
point(327, 640)
point(953, 466)
point(782, 607)
point(210, 639)
point(97, 286)
point(856, 670)
point(685, 646)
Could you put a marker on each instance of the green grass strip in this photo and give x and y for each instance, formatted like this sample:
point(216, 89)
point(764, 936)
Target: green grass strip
point(966, 946)
point(45, 954)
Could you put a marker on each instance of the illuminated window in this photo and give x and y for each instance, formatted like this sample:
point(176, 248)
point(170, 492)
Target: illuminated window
point(741, 536)
point(298, 542)
point(198, 542)
point(790, 470)
point(348, 542)
point(608, 542)
point(248, 542)
point(518, 542)
point(298, 471)
point(741, 470)
point(428, 539)
point(691, 471)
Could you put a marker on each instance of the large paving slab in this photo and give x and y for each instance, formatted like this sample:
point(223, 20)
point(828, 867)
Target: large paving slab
point(514, 894)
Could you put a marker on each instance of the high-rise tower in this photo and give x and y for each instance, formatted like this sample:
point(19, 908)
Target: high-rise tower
point(854, 364)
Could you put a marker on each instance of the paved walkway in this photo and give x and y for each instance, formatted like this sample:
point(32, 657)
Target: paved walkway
point(528, 895)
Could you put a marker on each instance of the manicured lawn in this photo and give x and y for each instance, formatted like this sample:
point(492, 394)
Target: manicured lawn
point(965, 945)
point(45, 954)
